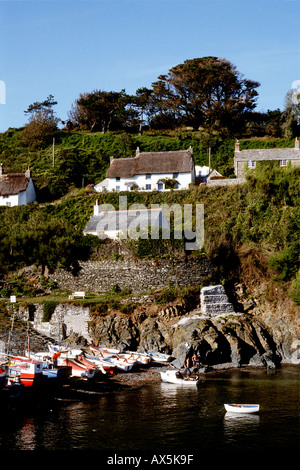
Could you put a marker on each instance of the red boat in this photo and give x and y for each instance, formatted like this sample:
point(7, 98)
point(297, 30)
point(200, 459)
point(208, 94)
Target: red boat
point(30, 373)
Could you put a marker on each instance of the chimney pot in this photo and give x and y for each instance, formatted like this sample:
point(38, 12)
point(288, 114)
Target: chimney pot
point(111, 158)
point(97, 208)
point(237, 146)
point(1, 169)
point(296, 144)
point(137, 152)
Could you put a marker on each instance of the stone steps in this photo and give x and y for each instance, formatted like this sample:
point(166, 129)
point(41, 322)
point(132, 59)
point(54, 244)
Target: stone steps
point(214, 301)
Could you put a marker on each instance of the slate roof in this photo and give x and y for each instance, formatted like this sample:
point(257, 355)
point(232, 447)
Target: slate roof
point(179, 161)
point(267, 154)
point(123, 220)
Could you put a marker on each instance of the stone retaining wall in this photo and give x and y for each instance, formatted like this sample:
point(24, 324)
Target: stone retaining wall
point(138, 275)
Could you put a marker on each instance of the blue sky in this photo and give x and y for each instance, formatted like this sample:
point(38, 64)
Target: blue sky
point(68, 47)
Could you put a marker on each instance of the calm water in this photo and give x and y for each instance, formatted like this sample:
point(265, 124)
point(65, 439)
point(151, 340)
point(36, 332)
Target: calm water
point(165, 417)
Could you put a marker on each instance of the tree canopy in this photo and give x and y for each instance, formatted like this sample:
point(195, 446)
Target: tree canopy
point(208, 92)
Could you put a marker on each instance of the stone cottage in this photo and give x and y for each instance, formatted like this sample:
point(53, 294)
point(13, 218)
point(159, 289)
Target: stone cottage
point(247, 159)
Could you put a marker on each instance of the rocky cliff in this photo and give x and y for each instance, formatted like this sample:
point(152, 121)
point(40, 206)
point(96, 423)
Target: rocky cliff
point(221, 333)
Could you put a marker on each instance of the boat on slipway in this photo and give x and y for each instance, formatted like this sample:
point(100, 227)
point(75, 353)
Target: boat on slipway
point(77, 369)
point(159, 357)
point(241, 408)
point(175, 377)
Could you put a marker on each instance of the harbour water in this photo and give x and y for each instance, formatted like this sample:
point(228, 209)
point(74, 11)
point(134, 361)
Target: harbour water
point(162, 418)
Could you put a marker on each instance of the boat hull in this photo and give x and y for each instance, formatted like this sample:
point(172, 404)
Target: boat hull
point(171, 377)
point(243, 408)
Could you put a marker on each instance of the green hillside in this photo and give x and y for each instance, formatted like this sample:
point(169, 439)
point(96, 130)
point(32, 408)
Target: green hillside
point(257, 223)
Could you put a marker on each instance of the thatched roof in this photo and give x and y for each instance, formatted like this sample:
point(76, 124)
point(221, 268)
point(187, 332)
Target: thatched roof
point(13, 183)
point(180, 161)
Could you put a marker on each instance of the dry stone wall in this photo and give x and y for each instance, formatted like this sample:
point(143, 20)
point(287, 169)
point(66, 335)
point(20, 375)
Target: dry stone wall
point(138, 275)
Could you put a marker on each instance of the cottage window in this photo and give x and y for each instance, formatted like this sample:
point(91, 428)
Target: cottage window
point(251, 164)
point(175, 175)
point(148, 187)
point(148, 176)
point(118, 178)
point(117, 188)
point(160, 186)
point(8, 204)
point(283, 163)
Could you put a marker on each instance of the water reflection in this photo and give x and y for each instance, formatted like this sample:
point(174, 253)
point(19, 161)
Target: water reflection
point(165, 417)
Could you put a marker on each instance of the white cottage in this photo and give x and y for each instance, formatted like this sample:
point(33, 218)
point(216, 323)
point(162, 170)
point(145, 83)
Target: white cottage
point(16, 189)
point(150, 171)
point(130, 223)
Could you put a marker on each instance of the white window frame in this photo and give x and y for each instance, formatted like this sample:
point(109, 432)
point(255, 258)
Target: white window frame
point(251, 164)
point(283, 162)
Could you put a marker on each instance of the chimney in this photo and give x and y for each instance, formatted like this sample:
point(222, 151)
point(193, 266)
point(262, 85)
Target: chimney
point(97, 208)
point(1, 170)
point(237, 146)
point(28, 173)
point(296, 144)
point(191, 150)
point(111, 158)
point(137, 152)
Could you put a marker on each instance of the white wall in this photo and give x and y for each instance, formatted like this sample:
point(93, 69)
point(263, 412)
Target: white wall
point(24, 197)
point(141, 181)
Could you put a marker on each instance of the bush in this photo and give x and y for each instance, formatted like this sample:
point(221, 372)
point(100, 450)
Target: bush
point(48, 310)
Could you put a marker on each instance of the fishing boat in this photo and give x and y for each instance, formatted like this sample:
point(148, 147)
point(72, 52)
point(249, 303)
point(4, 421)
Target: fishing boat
point(3, 374)
point(120, 364)
point(49, 369)
point(98, 361)
point(11, 391)
point(104, 351)
point(175, 377)
point(78, 369)
point(140, 358)
point(98, 367)
point(30, 373)
point(243, 408)
point(159, 357)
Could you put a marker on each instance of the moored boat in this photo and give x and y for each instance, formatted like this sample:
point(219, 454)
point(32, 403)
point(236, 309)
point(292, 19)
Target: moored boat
point(241, 408)
point(175, 377)
point(30, 373)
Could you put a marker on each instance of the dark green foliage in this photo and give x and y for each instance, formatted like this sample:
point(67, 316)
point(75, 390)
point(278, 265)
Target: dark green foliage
point(286, 262)
point(48, 309)
point(295, 290)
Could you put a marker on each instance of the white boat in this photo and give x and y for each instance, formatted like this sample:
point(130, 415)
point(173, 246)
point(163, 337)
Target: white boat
point(175, 377)
point(159, 357)
point(104, 351)
point(141, 358)
point(243, 408)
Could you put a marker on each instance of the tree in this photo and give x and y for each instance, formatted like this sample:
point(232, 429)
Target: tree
point(42, 125)
point(100, 110)
point(143, 104)
point(291, 114)
point(208, 92)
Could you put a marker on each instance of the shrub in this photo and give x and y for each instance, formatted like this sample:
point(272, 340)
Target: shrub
point(48, 310)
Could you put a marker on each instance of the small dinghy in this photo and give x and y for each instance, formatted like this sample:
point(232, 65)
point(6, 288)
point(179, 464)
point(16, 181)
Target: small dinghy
point(236, 408)
point(175, 377)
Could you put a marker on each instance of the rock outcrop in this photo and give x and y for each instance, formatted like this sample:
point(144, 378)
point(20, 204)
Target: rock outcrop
point(218, 334)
